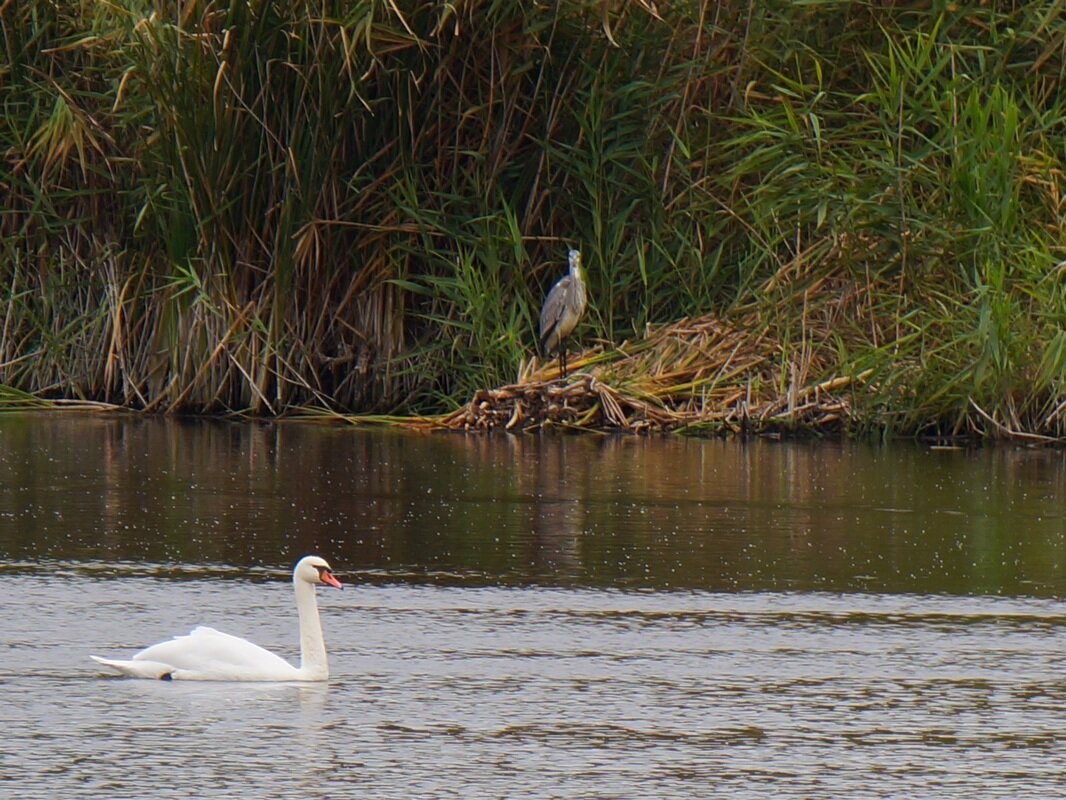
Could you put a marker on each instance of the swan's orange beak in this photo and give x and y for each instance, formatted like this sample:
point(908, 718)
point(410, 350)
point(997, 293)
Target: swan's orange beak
point(331, 579)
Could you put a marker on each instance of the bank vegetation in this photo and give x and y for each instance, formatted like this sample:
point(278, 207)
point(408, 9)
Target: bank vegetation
point(839, 215)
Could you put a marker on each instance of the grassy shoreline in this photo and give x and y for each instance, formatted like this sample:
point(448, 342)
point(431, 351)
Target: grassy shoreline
point(357, 207)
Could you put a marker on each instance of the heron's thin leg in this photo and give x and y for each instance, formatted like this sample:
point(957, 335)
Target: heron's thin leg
point(562, 358)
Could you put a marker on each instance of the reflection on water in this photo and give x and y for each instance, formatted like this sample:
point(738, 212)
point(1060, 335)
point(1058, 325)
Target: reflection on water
point(532, 616)
point(590, 511)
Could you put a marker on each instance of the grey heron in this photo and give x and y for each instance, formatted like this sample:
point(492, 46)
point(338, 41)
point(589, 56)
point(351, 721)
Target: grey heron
point(562, 310)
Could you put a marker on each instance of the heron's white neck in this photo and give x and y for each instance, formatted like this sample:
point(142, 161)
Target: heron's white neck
point(313, 662)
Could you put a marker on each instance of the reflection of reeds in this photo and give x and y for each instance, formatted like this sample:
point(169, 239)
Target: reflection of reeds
point(359, 205)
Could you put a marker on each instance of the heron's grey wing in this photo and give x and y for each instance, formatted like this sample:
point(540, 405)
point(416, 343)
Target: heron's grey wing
point(552, 313)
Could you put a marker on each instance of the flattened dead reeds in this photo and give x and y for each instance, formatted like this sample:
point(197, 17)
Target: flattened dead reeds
point(697, 373)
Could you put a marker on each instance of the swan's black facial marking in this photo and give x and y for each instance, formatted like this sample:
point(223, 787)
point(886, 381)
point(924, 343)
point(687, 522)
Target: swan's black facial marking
point(323, 571)
point(167, 676)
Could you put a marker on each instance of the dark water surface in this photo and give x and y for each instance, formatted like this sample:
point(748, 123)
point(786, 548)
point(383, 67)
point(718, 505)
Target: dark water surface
point(535, 616)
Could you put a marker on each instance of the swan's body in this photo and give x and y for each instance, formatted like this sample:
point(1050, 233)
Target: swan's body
point(210, 655)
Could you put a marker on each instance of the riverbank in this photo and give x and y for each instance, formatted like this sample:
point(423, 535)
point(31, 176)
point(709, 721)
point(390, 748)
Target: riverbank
point(823, 215)
point(755, 374)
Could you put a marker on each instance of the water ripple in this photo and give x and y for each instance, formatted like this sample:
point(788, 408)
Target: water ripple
point(474, 691)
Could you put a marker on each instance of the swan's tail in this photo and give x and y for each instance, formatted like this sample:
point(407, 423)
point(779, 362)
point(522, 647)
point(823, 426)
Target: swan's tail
point(138, 669)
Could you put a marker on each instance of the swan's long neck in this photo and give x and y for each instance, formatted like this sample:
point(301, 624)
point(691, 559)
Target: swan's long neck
point(313, 662)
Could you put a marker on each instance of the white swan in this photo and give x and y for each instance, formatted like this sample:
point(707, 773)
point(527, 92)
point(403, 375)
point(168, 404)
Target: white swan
point(210, 655)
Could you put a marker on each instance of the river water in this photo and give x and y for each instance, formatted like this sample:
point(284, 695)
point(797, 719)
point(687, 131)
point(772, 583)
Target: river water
point(556, 617)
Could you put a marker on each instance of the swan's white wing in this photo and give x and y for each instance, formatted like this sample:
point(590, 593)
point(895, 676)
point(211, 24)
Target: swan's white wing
point(208, 654)
point(137, 669)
